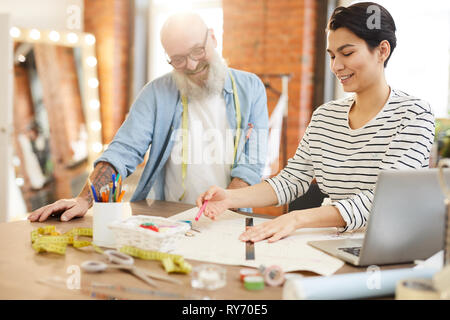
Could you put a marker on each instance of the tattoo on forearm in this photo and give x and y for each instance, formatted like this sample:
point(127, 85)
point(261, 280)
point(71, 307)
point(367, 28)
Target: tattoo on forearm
point(100, 177)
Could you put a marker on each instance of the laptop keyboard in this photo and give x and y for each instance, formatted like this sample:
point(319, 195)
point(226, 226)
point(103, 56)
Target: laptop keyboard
point(352, 250)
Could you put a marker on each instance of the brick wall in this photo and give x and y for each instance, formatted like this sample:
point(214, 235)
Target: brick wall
point(275, 36)
point(109, 21)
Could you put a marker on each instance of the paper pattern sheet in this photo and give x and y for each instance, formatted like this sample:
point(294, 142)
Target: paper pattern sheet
point(218, 243)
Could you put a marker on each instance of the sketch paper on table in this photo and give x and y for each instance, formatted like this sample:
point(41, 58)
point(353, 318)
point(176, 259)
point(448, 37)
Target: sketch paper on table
point(218, 242)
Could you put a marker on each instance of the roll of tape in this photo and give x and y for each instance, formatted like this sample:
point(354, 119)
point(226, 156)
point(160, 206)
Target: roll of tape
point(254, 283)
point(244, 272)
point(416, 289)
point(274, 276)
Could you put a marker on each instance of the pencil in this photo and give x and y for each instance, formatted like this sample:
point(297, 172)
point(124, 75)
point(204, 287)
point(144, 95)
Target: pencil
point(249, 132)
point(113, 178)
point(201, 210)
point(110, 192)
point(94, 194)
point(121, 196)
point(120, 185)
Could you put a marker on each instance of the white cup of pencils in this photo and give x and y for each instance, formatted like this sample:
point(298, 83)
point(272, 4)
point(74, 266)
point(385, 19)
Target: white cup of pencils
point(108, 207)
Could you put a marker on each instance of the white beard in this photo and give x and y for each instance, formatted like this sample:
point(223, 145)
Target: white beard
point(213, 84)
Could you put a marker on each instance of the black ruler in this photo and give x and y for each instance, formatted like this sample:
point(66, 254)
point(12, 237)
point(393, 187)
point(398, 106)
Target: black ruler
point(249, 245)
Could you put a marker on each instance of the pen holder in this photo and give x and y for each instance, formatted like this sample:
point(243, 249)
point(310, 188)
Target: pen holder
point(105, 213)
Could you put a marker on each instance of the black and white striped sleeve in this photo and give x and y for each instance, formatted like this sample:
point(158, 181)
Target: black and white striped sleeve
point(294, 180)
point(410, 149)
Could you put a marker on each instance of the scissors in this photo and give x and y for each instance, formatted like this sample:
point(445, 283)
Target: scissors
point(123, 261)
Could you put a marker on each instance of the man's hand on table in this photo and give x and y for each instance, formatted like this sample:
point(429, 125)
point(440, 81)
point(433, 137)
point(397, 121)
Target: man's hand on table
point(68, 208)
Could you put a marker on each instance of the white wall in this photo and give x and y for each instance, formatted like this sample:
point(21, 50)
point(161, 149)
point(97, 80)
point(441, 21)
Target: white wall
point(420, 64)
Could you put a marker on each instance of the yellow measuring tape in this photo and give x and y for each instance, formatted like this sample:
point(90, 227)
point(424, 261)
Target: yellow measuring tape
point(47, 239)
point(184, 152)
point(171, 262)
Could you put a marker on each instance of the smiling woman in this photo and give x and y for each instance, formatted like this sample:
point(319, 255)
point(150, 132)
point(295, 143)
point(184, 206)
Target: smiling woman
point(348, 141)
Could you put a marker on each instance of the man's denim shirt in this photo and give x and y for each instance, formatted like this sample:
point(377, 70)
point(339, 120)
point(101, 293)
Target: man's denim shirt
point(156, 114)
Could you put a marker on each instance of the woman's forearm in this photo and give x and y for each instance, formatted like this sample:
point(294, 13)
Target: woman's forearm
point(258, 195)
point(320, 217)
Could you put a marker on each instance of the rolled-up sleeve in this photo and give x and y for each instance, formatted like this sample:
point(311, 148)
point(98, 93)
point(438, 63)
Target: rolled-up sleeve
point(132, 140)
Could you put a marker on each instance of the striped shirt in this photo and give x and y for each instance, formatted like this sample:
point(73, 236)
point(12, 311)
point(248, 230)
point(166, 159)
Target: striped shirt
point(346, 162)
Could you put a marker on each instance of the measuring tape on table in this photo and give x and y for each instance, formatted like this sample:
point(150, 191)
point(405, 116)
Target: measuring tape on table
point(47, 239)
point(171, 262)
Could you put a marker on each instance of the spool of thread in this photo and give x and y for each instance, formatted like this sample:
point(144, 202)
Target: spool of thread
point(244, 272)
point(254, 283)
point(416, 289)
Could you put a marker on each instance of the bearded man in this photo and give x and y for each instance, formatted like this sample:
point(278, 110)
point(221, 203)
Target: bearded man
point(205, 124)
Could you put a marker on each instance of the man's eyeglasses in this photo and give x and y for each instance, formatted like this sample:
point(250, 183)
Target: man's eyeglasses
point(196, 54)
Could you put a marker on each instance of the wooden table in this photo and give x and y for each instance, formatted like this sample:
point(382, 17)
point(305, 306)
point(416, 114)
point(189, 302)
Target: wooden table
point(21, 267)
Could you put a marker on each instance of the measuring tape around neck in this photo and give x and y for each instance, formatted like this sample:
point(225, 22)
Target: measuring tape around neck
point(184, 152)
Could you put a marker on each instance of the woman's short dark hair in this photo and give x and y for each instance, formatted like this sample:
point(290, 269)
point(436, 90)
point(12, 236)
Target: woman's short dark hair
point(369, 21)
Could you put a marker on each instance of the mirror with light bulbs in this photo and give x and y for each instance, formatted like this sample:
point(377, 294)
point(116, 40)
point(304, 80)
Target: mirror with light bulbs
point(57, 127)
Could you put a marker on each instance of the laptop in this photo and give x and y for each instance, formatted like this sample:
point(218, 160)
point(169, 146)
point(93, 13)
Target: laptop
point(407, 221)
